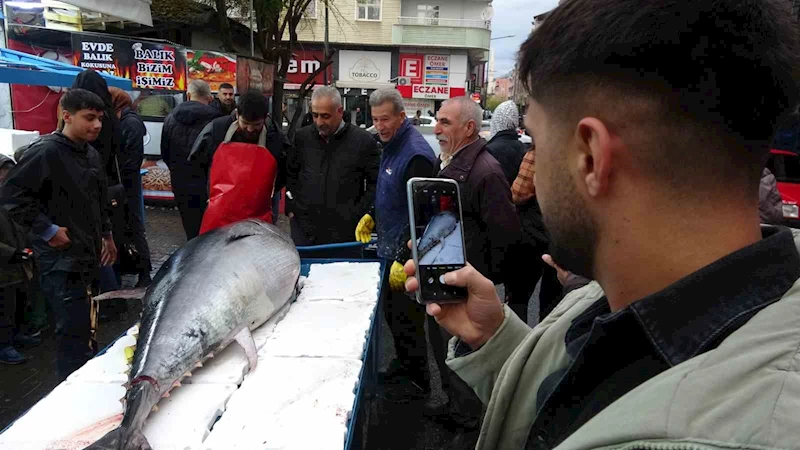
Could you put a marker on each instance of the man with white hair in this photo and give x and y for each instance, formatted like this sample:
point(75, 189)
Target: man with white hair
point(188, 178)
point(332, 173)
point(492, 229)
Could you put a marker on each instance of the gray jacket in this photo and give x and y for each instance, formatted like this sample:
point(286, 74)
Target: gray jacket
point(744, 394)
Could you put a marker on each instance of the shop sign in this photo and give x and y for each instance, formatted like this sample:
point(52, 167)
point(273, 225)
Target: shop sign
point(212, 67)
point(367, 67)
point(148, 65)
point(437, 69)
point(252, 73)
point(304, 64)
point(411, 66)
point(430, 91)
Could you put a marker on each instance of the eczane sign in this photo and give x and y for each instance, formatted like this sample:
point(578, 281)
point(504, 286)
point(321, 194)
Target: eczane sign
point(430, 91)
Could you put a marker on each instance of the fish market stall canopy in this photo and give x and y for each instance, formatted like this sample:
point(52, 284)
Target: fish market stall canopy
point(133, 10)
point(79, 15)
point(22, 68)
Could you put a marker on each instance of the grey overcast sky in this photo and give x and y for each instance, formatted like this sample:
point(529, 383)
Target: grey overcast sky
point(513, 17)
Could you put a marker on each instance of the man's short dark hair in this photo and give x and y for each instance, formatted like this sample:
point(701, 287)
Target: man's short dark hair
point(75, 100)
point(704, 82)
point(226, 86)
point(253, 105)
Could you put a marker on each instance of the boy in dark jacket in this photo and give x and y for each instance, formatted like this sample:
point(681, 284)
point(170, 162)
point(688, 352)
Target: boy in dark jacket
point(59, 190)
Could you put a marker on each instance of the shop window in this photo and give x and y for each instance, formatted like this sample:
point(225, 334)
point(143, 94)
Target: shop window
point(311, 10)
point(368, 10)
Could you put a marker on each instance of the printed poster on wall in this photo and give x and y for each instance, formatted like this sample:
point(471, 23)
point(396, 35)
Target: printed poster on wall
point(212, 67)
point(437, 69)
point(148, 65)
point(254, 74)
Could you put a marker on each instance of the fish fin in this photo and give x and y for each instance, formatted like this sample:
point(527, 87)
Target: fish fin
point(113, 441)
point(245, 228)
point(245, 339)
point(255, 227)
point(137, 293)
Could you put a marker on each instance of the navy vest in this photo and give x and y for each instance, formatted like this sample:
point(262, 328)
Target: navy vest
point(391, 201)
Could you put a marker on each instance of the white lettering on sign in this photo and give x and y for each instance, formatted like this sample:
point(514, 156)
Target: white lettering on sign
point(108, 57)
point(144, 82)
point(97, 47)
point(411, 68)
point(305, 66)
point(154, 68)
point(154, 55)
point(430, 91)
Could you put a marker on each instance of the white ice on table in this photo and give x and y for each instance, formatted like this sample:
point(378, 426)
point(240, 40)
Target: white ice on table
point(449, 250)
point(310, 412)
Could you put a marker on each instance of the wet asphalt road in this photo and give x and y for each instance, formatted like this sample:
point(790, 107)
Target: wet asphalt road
point(392, 425)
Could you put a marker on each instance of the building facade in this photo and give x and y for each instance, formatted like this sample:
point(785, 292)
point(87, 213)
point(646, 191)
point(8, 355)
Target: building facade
point(430, 50)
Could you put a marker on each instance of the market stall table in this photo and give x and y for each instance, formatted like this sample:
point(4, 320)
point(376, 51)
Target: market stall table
point(316, 362)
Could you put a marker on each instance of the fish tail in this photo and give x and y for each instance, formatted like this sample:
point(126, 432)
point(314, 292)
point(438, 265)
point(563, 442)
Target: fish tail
point(121, 439)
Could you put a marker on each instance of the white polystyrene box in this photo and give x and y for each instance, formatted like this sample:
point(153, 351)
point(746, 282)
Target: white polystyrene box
point(11, 140)
point(322, 329)
point(290, 403)
point(344, 281)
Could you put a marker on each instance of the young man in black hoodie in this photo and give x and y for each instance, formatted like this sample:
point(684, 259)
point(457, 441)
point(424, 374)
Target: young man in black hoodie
point(59, 191)
point(181, 128)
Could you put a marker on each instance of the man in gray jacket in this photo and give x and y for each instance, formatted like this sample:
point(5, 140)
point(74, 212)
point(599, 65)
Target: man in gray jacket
point(650, 142)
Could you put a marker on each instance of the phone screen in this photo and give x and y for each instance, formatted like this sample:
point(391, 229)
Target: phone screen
point(439, 238)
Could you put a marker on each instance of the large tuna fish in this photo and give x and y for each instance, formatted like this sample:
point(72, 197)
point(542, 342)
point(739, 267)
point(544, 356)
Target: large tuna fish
point(213, 291)
point(440, 226)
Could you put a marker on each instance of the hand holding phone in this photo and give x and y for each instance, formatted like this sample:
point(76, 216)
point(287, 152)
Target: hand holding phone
point(475, 321)
point(437, 237)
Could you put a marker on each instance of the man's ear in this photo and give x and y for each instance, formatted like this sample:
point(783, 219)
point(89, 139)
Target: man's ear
point(596, 158)
point(66, 117)
point(473, 128)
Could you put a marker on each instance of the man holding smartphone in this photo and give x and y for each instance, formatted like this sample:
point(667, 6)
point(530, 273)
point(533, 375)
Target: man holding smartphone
point(652, 123)
point(59, 191)
point(405, 155)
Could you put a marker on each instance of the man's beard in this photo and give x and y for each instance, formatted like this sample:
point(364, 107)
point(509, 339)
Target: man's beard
point(573, 233)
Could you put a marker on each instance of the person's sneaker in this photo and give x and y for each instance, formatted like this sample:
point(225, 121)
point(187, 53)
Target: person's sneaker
point(27, 340)
point(10, 355)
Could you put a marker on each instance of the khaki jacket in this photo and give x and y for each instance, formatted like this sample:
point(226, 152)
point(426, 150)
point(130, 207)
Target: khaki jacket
point(745, 394)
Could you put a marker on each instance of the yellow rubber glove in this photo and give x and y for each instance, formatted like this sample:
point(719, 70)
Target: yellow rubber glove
point(397, 278)
point(129, 351)
point(364, 229)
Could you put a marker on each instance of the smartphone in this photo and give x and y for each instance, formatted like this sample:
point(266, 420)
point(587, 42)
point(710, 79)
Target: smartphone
point(437, 237)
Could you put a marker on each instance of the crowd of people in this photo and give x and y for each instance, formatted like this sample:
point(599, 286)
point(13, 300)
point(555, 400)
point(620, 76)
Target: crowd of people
point(667, 310)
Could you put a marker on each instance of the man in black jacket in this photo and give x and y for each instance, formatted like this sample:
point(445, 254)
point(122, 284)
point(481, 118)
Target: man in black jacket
point(59, 190)
point(225, 102)
point(331, 174)
point(181, 128)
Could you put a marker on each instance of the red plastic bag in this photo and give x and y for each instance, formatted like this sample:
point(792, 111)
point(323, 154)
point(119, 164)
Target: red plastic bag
point(241, 182)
